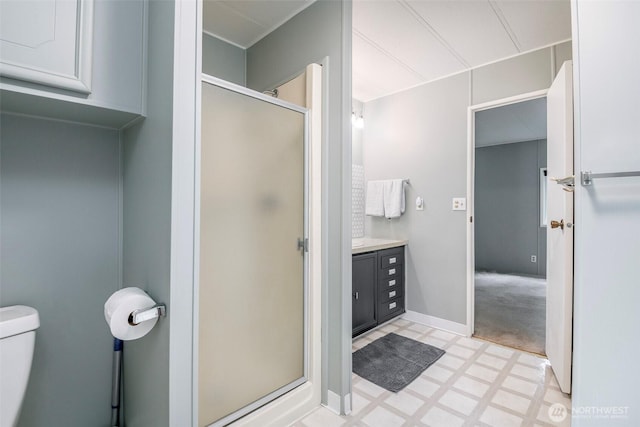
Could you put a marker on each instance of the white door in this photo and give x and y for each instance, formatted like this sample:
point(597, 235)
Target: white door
point(560, 226)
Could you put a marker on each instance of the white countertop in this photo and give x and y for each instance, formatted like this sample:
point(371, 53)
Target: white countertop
point(368, 244)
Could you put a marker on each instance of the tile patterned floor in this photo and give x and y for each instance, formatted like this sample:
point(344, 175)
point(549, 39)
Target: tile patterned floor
point(476, 383)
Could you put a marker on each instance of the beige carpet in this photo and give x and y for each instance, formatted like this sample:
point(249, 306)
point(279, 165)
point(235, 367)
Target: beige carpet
point(511, 310)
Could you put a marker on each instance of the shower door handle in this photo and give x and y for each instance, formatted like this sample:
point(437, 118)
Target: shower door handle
point(303, 245)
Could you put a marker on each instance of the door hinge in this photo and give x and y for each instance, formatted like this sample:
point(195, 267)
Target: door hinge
point(303, 245)
point(471, 218)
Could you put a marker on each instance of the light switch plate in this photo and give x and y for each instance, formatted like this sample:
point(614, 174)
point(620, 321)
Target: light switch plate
point(459, 204)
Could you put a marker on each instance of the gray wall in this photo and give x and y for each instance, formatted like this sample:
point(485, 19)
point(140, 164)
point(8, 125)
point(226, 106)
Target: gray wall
point(60, 233)
point(607, 231)
point(223, 60)
point(521, 74)
point(507, 208)
point(147, 227)
point(421, 134)
point(562, 52)
point(320, 31)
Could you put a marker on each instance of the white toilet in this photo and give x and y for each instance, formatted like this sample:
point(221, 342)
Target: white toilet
point(18, 326)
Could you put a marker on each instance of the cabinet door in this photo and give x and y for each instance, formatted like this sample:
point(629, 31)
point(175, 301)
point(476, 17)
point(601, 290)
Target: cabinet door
point(47, 42)
point(364, 292)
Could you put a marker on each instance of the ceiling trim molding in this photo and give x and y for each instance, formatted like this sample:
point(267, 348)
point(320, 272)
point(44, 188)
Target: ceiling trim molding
point(422, 21)
point(468, 70)
point(281, 22)
point(228, 6)
point(209, 33)
point(266, 30)
point(357, 33)
point(505, 24)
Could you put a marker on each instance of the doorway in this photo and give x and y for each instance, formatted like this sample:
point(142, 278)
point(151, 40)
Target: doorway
point(509, 223)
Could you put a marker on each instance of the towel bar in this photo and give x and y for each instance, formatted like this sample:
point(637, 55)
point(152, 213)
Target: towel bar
point(587, 177)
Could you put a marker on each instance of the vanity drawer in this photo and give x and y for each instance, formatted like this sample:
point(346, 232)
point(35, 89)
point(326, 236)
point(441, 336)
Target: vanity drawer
point(390, 258)
point(394, 292)
point(389, 309)
point(391, 272)
point(391, 282)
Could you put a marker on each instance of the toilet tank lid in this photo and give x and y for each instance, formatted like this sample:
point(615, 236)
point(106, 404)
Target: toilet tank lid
point(18, 319)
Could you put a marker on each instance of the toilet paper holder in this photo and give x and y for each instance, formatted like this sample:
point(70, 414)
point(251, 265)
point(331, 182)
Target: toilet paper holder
point(138, 316)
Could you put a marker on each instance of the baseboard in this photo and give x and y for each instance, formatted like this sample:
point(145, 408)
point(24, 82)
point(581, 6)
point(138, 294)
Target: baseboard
point(437, 322)
point(333, 402)
point(347, 404)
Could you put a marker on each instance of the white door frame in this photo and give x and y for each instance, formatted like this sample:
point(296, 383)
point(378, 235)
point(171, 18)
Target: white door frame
point(471, 163)
point(183, 393)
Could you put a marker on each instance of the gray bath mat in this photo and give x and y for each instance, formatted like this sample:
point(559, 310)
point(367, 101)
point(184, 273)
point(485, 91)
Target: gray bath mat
point(393, 361)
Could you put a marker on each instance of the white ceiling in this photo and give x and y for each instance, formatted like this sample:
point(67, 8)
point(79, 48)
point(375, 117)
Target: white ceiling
point(524, 121)
point(244, 22)
point(398, 44)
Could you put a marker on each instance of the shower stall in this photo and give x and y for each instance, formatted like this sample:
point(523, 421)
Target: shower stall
point(252, 298)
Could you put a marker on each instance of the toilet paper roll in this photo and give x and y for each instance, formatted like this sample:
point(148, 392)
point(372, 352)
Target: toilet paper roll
point(118, 308)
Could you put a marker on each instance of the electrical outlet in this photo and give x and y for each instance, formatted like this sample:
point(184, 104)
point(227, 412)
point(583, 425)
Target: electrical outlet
point(459, 204)
point(534, 258)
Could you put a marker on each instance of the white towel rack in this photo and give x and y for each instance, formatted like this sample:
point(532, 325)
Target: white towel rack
point(587, 177)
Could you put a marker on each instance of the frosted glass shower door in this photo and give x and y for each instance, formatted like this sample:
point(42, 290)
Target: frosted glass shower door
point(252, 298)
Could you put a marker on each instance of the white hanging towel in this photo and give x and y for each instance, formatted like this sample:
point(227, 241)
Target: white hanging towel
point(393, 196)
point(374, 205)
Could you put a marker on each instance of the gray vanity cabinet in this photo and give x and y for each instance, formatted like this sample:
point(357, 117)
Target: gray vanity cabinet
point(363, 292)
point(377, 288)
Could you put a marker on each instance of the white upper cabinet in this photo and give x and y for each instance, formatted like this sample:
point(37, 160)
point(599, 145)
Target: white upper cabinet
point(81, 60)
point(47, 42)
